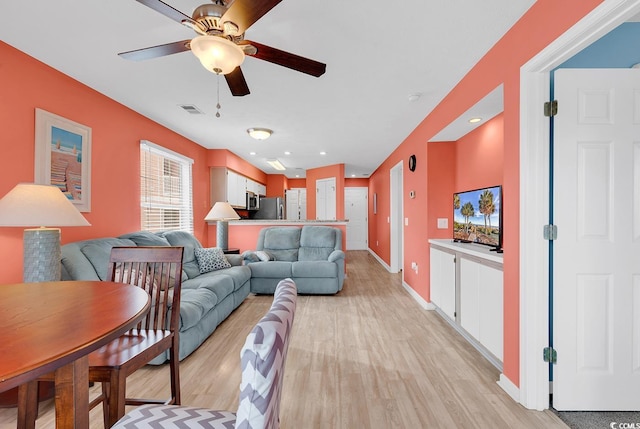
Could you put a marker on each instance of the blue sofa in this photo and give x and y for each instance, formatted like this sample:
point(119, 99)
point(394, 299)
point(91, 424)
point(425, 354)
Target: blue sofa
point(311, 256)
point(207, 299)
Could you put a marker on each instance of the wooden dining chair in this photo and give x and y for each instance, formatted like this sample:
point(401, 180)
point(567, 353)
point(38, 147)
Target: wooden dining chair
point(158, 270)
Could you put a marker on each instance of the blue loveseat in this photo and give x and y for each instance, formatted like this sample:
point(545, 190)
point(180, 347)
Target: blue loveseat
point(311, 256)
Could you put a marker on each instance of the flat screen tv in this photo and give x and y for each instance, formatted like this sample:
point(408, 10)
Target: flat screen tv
point(477, 216)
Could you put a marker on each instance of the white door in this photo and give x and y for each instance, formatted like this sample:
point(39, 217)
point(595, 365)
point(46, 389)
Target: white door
point(296, 199)
point(356, 210)
point(291, 199)
point(302, 203)
point(326, 199)
point(596, 305)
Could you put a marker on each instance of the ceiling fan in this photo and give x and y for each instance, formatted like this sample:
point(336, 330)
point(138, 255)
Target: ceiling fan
point(220, 44)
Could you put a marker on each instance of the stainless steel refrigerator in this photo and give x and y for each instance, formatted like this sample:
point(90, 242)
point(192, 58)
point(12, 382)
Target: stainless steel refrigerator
point(270, 208)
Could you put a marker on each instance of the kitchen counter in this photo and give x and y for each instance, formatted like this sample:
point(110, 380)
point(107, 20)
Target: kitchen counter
point(287, 222)
point(243, 233)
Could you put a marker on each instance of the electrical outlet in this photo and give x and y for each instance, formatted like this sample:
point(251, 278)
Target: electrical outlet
point(413, 265)
point(443, 223)
point(406, 221)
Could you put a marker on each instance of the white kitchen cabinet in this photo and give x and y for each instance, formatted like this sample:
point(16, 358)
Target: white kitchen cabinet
point(227, 185)
point(474, 287)
point(481, 303)
point(443, 281)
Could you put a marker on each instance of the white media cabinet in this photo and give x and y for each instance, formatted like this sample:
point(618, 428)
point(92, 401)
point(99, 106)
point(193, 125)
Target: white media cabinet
point(467, 290)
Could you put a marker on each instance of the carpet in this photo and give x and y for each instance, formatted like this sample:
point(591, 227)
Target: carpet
point(600, 419)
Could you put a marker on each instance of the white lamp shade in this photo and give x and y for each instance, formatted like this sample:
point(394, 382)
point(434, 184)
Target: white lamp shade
point(221, 211)
point(28, 204)
point(217, 54)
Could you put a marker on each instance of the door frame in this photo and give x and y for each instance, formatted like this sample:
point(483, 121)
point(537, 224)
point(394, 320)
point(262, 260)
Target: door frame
point(396, 213)
point(534, 386)
point(365, 192)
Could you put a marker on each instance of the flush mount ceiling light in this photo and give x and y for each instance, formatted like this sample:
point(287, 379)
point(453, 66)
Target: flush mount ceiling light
point(474, 120)
point(276, 164)
point(260, 133)
point(217, 54)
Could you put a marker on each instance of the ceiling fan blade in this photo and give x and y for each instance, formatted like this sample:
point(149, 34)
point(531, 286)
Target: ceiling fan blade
point(165, 9)
point(244, 13)
point(156, 51)
point(236, 82)
point(286, 59)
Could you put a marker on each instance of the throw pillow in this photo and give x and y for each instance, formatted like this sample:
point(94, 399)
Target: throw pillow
point(264, 256)
point(211, 259)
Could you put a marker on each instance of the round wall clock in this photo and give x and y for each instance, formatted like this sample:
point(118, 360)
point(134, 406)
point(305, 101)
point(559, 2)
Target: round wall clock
point(412, 162)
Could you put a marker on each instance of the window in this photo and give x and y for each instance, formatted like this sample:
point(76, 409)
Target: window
point(165, 189)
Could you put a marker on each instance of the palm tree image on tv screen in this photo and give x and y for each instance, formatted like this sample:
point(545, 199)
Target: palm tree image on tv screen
point(477, 216)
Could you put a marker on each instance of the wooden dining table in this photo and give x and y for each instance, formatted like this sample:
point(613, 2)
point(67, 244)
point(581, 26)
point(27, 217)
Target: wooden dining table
point(53, 326)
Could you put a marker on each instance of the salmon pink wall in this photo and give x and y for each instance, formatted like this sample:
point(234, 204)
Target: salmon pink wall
point(297, 183)
point(276, 185)
point(544, 22)
point(116, 133)
point(441, 183)
point(337, 171)
point(479, 156)
point(225, 158)
point(351, 182)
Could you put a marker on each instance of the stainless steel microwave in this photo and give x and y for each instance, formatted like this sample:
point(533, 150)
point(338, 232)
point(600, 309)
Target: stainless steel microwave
point(253, 201)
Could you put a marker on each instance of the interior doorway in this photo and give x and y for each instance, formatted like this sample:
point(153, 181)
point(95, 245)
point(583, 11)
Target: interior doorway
point(534, 391)
point(356, 209)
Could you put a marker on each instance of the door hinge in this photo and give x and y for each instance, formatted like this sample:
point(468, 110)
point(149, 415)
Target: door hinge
point(550, 232)
point(551, 108)
point(549, 355)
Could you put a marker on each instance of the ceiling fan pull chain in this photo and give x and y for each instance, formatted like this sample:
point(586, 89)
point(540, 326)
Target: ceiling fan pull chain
point(218, 105)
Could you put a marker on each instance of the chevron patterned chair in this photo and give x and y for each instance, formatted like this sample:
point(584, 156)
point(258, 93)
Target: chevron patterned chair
point(262, 360)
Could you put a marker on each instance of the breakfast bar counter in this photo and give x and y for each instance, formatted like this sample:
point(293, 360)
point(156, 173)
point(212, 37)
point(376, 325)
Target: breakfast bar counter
point(285, 222)
point(243, 233)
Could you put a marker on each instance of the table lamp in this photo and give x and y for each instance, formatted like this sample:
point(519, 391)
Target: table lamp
point(221, 212)
point(43, 207)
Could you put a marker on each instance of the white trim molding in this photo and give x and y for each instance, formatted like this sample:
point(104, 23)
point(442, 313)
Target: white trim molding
point(420, 300)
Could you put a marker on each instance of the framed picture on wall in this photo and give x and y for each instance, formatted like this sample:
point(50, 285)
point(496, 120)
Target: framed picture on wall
point(63, 157)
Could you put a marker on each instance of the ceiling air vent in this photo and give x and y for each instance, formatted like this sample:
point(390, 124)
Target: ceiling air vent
point(190, 108)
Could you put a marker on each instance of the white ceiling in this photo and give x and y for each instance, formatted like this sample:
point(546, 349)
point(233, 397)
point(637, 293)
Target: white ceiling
point(377, 54)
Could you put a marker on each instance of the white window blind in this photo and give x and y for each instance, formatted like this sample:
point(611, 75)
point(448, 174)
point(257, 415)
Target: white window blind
point(165, 189)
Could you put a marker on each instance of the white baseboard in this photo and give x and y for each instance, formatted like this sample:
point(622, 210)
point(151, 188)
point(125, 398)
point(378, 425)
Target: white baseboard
point(380, 260)
point(511, 389)
point(420, 300)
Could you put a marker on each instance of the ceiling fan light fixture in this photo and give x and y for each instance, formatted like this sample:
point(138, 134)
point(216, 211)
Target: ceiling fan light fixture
point(260, 133)
point(217, 54)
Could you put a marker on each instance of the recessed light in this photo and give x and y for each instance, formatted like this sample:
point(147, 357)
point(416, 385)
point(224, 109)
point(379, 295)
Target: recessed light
point(474, 120)
point(260, 133)
point(323, 153)
point(414, 97)
point(286, 152)
point(353, 175)
point(252, 153)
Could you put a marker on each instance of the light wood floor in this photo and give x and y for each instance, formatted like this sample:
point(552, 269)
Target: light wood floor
point(369, 357)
